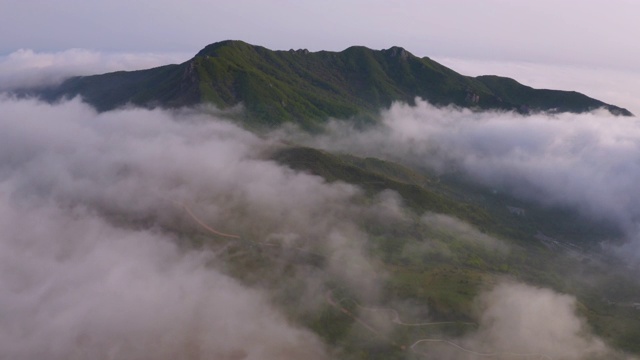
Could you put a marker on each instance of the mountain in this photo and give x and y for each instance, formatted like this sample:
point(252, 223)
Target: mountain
point(551, 247)
point(309, 87)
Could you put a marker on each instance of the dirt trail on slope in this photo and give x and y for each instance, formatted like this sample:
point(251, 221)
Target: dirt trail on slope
point(396, 319)
point(204, 225)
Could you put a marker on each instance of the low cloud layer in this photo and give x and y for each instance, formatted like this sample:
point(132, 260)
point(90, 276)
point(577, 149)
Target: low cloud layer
point(96, 210)
point(93, 214)
point(26, 68)
point(518, 321)
point(528, 320)
point(589, 162)
point(75, 287)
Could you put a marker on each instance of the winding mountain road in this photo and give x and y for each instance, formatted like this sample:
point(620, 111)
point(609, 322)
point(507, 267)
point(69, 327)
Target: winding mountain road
point(204, 225)
point(396, 319)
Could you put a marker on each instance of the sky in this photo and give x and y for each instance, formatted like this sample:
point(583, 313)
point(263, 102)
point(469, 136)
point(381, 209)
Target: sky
point(591, 32)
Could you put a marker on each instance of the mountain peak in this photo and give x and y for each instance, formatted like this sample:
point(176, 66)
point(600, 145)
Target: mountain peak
point(397, 51)
point(214, 49)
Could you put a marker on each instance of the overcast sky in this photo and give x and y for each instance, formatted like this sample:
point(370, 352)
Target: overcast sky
point(592, 34)
point(595, 32)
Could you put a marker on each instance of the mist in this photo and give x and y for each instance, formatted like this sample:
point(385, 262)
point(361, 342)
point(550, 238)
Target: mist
point(522, 321)
point(25, 68)
point(96, 249)
point(587, 162)
point(75, 287)
point(140, 233)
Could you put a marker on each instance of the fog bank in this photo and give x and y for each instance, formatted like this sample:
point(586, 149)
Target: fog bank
point(589, 162)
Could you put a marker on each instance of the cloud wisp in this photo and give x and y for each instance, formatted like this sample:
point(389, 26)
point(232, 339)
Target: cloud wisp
point(76, 288)
point(589, 162)
point(518, 321)
point(26, 68)
point(93, 229)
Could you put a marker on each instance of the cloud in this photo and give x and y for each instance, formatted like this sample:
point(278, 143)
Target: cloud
point(75, 287)
point(589, 162)
point(101, 257)
point(95, 223)
point(447, 226)
point(522, 321)
point(526, 319)
point(98, 236)
point(91, 256)
point(26, 68)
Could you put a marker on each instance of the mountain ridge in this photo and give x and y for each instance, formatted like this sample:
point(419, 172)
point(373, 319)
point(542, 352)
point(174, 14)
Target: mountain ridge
point(309, 87)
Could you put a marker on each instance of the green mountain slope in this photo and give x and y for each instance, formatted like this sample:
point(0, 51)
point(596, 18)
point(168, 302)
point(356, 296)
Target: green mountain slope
point(549, 247)
point(513, 92)
point(308, 87)
point(451, 195)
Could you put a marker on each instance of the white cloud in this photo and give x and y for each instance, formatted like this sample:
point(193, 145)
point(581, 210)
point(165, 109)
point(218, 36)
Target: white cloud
point(83, 278)
point(522, 321)
point(590, 162)
point(92, 219)
point(75, 287)
point(27, 68)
